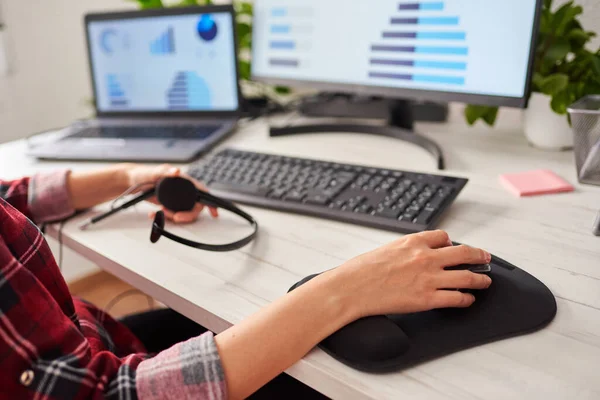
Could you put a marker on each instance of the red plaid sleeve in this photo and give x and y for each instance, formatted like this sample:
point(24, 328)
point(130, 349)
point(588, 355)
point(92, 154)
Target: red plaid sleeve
point(42, 198)
point(53, 346)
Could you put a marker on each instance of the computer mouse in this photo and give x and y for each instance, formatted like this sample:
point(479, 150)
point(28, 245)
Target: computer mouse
point(476, 268)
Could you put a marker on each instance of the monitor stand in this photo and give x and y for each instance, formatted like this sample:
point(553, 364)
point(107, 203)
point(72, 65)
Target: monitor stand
point(400, 126)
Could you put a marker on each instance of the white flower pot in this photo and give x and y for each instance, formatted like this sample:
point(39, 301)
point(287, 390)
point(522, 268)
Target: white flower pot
point(544, 128)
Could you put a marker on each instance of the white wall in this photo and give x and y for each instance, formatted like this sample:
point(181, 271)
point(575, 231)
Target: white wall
point(47, 48)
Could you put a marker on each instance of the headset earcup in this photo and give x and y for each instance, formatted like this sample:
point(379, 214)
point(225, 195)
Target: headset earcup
point(177, 194)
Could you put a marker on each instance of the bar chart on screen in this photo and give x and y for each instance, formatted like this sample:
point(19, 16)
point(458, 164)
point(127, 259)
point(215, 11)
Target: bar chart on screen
point(421, 28)
point(164, 44)
point(290, 29)
point(471, 46)
point(116, 94)
point(188, 92)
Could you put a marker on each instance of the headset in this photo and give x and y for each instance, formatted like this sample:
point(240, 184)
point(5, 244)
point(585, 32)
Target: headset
point(178, 195)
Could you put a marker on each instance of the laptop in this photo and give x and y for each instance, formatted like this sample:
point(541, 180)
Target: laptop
point(165, 86)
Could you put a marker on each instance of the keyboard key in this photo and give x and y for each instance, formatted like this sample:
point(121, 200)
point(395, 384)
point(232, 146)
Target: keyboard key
point(425, 216)
point(391, 213)
point(338, 204)
point(409, 215)
point(363, 209)
point(437, 201)
point(295, 196)
point(256, 190)
point(318, 199)
point(278, 193)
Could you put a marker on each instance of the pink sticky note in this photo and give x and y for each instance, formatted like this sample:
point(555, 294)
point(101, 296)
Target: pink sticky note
point(534, 183)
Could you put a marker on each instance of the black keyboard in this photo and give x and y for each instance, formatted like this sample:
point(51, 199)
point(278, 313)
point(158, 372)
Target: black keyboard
point(399, 201)
point(149, 132)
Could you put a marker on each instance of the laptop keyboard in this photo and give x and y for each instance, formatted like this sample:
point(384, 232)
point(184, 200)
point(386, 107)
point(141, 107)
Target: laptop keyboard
point(148, 132)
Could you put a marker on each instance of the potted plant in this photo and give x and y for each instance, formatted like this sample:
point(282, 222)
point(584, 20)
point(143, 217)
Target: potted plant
point(244, 11)
point(564, 71)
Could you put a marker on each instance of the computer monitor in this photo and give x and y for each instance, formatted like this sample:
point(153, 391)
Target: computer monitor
point(478, 52)
point(171, 61)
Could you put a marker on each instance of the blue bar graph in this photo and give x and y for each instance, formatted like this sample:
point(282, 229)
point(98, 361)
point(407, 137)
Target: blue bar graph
point(453, 80)
point(425, 35)
point(116, 94)
point(410, 45)
point(188, 92)
point(425, 6)
point(283, 45)
point(459, 51)
point(164, 44)
point(439, 50)
point(457, 66)
point(450, 80)
point(284, 62)
point(462, 66)
point(426, 21)
point(442, 35)
point(278, 12)
point(281, 29)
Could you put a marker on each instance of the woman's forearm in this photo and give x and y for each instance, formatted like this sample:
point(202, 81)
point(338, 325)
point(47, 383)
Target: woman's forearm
point(277, 336)
point(87, 189)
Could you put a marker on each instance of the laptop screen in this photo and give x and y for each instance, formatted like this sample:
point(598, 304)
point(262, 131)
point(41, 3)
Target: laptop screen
point(171, 63)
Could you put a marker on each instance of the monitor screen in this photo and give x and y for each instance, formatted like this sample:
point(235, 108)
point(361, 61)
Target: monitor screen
point(171, 63)
point(428, 49)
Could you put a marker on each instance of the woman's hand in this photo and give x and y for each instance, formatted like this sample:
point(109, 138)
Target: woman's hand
point(408, 276)
point(144, 177)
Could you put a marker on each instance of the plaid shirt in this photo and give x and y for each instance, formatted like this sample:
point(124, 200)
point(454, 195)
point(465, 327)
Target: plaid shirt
point(54, 346)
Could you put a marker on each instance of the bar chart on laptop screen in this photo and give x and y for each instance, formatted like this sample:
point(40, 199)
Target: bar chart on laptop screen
point(475, 46)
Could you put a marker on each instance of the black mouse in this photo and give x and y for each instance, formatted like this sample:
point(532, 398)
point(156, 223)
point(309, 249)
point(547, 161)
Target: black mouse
point(476, 268)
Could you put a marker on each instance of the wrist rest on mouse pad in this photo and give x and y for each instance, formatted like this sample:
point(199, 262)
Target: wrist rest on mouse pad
point(516, 303)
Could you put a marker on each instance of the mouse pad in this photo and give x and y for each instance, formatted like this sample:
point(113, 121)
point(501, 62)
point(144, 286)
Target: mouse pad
point(515, 304)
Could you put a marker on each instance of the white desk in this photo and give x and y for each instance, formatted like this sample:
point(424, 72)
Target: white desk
point(550, 237)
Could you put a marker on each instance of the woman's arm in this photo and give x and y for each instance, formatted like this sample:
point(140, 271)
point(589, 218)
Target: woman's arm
point(405, 276)
point(87, 189)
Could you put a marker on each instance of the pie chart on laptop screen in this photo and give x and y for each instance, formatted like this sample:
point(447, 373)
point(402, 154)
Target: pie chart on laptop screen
point(207, 28)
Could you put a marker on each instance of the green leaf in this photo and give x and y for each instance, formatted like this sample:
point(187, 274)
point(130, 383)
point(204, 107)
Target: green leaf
point(245, 70)
point(564, 16)
point(561, 102)
point(553, 84)
point(537, 81)
point(548, 4)
point(186, 3)
point(557, 51)
point(282, 90)
point(146, 4)
point(243, 29)
point(490, 116)
point(595, 58)
point(245, 8)
point(473, 113)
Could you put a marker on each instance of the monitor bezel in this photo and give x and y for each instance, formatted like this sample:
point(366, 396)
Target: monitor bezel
point(419, 94)
point(163, 12)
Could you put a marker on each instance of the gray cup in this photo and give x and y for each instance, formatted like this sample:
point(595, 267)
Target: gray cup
point(585, 118)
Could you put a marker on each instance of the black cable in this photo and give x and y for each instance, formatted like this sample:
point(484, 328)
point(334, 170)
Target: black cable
point(60, 244)
point(126, 294)
point(130, 191)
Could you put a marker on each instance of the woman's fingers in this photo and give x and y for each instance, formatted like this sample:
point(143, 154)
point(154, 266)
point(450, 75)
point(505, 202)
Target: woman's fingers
point(462, 280)
point(168, 214)
point(457, 255)
point(434, 239)
point(186, 217)
point(451, 299)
